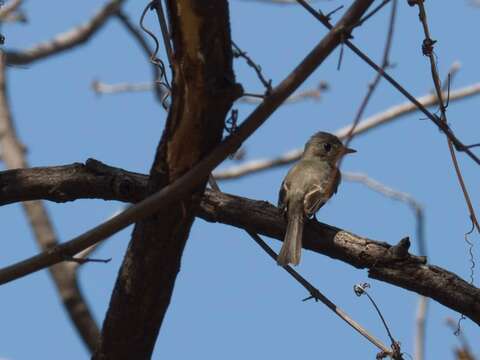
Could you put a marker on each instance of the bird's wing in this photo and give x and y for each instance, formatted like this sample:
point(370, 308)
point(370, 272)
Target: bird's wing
point(314, 199)
point(281, 195)
point(338, 179)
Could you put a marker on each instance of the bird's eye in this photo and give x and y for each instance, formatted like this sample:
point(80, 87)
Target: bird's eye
point(327, 147)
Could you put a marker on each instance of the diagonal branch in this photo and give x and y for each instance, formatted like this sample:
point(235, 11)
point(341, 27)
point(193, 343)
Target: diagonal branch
point(64, 277)
point(7, 9)
point(66, 40)
point(387, 263)
point(443, 126)
point(369, 123)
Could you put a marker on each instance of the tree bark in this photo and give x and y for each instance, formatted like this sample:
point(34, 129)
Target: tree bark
point(203, 91)
point(392, 264)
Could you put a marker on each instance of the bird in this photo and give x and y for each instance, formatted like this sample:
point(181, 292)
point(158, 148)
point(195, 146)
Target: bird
point(308, 185)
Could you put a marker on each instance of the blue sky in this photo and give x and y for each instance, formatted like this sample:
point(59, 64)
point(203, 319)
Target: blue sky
point(230, 300)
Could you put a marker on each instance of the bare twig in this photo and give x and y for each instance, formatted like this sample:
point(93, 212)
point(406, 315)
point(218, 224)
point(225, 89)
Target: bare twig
point(365, 125)
point(63, 276)
point(314, 94)
point(104, 88)
point(100, 87)
point(157, 5)
point(427, 48)
point(281, 2)
point(199, 172)
point(161, 91)
point(66, 40)
point(420, 323)
point(7, 9)
point(443, 126)
point(464, 352)
point(373, 85)
point(361, 289)
point(370, 14)
point(318, 296)
point(237, 52)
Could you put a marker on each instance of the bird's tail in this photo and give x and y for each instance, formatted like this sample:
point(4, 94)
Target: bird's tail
point(292, 243)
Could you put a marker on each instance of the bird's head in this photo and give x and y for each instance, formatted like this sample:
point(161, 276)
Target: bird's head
point(325, 146)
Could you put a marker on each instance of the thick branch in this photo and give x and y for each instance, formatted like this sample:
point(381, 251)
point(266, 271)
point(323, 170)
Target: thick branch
point(203, 91)
point(384, 262)
point(66, 40)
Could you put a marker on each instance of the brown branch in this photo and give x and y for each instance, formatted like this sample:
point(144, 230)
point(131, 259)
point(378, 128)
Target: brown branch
point(194, 177)
point(314, 94)
point(7, 9)
point(100, 87)
point(203, 91)
point(369, 123)
point(386, 263)
point(67, 40)
point(64, 277)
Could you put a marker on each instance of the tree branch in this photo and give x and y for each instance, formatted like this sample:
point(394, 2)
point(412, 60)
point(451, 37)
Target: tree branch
point(387, 263)
point(203, 91)
point(7, 9)
point(64, 277)
point(384, 117)
point(66, 40)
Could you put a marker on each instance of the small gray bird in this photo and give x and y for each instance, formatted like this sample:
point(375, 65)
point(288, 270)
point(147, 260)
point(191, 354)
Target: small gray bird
point(308, 185)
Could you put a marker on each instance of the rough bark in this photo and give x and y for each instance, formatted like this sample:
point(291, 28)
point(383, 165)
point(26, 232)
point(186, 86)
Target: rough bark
point(203, 91)
point(392, 264)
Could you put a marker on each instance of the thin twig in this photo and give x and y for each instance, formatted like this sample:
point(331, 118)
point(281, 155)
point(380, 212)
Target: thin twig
point(318, 296)
point(373, 85)
point(67, 40)
point(7, 9)
point(378, 76)
point(370, 14)
point(162, 79)
point(157, 5)
point(444, 127)
point(372, 122)
point(239, 53)
point(314, 94)
point(100, 87)
point(361, 289)
point(161, 91)
point(464, 352)
point(427, 48)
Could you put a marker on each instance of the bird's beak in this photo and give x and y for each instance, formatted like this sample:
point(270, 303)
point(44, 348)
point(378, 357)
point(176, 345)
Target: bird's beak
point(349, 150)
